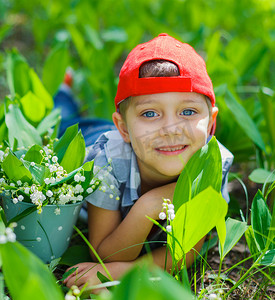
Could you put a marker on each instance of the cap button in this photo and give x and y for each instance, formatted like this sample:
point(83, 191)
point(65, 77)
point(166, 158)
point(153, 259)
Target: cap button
point(163, 34)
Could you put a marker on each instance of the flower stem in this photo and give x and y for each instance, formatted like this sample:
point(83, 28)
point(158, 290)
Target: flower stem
point(95, 253)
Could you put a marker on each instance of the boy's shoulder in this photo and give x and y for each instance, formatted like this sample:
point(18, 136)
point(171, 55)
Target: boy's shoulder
point(110, 144)
point(110, 149)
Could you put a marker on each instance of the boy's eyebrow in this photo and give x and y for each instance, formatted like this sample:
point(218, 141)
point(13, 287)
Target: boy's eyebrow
point(152, 101)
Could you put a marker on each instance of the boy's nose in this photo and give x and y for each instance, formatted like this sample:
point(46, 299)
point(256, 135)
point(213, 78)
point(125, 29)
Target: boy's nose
point(171, 128)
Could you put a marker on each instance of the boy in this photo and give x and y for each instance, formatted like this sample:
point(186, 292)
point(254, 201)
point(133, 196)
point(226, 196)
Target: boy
point(165, 112)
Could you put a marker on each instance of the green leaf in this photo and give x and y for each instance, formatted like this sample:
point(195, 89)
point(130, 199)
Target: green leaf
point(262, 176)
point(251, 241)
point(15, 169)
point(68, 273)
point(75, 150)
point(221, 231)
point(195, 176)
point(93, 37)
point(195, 218)
point(23, 214)
point(34, 155)
point(244, 120)
point(3, 132)
point(55, 67)
point(260, 219)
point(3, 222)
point(20, 129)
point(40, 91)
point(115, 34)
point(101, 277)
point(268, 259)
point(234, 231)
point(34, 109)
point(26, 275)
point(88, 173)
point(17, 73)
point(48, 122)
point(271, 234)
point(268, 108)
point(140, 283)
point(38, 172)
point(63, 143)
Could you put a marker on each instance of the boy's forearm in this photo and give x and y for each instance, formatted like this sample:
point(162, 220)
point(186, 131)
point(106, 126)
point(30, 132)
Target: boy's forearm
point(126, 241)
point(134, 229)
point(162, 257)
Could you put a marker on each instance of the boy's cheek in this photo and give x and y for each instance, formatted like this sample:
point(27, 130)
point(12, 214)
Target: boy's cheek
point(202, 125)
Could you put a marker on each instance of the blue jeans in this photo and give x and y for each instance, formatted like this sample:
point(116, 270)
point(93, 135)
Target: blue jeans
point(91, 128)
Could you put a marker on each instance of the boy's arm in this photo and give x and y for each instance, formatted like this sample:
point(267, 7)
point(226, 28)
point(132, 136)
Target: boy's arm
point(87, 271)
point(108, 234)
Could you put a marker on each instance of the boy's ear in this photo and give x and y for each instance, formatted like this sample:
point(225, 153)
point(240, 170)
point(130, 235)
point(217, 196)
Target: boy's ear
point(213, 117)
point(121, 126)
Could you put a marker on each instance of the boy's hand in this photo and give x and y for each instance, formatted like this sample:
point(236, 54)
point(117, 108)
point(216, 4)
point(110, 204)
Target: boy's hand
point(87, 273)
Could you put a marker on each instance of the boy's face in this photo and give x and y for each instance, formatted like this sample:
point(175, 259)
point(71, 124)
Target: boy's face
point(165, 130)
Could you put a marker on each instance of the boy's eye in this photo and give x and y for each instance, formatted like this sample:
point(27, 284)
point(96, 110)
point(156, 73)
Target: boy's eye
point(150, 114)
point(187, 112)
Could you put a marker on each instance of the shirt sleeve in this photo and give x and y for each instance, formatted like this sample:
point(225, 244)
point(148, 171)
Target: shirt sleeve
point(227, 160)
point(107, 195)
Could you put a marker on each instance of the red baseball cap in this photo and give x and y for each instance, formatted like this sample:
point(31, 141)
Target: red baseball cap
point(193, 74)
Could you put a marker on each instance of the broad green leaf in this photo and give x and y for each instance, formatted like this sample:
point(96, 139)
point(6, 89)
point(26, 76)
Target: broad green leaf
point(17, 73)
point(195, 218)
point(33, 108)
point(80, 43)
point(195, 177)
point(250, 60)
point(34, 155)
point(251, 241)
point(20, 129)
point(23, 214)
point(3, 221)
point(221, 231)
point(3, 132)
point(140, 283)
point(75, 154)
point(26, 275)
point(115, 34)
point(268, 259)
point(260, 219)
point(244, 120)
point(67, 178)
point(268, 108)
point(63, 143)
point(234, 231)
point(39, 90)
point(88, 173)
point(38, 172)
point(55, 67)
point(15, 169)
point(48, 122)
point(271, 235)
point(93, 37)
point(262, 176)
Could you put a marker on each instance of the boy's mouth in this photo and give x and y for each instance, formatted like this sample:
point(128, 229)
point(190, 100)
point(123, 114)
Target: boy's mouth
point(171, 150)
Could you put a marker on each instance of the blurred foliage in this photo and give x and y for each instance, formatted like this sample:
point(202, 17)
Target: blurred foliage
point(236, 38)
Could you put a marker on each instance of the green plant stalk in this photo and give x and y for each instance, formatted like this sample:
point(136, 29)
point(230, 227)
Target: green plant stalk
point(242, 279)
point(95, 253)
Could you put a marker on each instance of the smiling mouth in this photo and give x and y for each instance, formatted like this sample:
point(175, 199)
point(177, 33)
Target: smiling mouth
point(171, 150)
